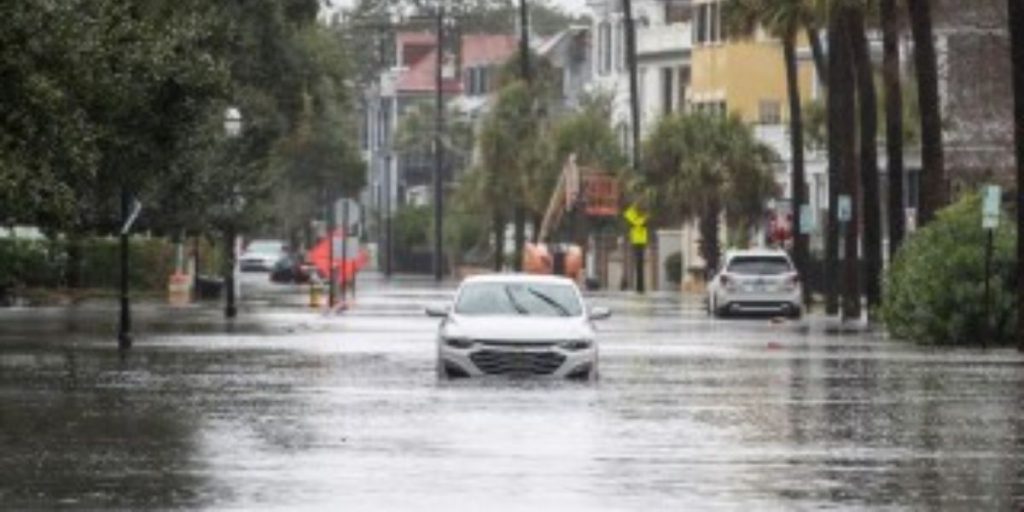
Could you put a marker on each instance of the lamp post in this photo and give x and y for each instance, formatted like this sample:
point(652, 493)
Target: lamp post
point(232, 130)
point(439, 148)
point(124, 331)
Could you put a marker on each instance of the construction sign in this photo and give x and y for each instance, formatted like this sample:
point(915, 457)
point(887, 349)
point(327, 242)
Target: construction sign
point(638, 235)
point(638, 225)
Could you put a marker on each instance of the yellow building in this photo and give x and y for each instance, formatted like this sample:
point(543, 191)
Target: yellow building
point(742, 76)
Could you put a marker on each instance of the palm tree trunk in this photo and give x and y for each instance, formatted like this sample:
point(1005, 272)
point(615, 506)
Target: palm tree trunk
point(820, 60)
point(893, 122)
point(933, 176)
point(709, 248)
point(519, 237)
point(1016, 9)
point(871, 197)
point(842, 164)
point(519, 216)
point(796, 139)
point(499, 241)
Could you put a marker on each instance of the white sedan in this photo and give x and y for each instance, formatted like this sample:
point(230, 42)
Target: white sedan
point(756, 281)
point(517, 325)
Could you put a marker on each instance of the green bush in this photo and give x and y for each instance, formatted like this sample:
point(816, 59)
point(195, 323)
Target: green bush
point(935, 288)
point(151, 261)
point(412, 226)
point(44, 264)
point(29, 263)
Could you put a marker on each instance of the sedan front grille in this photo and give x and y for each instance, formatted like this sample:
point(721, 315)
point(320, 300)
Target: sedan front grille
point(499, 362)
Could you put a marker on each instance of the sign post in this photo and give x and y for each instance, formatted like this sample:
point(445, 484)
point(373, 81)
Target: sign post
point(990, 209)
point(844, 213)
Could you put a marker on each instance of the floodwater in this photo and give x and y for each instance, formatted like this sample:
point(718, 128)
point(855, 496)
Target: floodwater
point(291, 410)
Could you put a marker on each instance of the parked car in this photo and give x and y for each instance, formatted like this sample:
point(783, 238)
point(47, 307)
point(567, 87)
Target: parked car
point(292, 269)
point(517, 325)
point(261, 255)
point(755, 281)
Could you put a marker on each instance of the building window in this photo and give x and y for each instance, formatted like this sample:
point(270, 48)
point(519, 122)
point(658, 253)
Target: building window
point(684, 84)
point(709, 24)
point(769, 112)
point(620, 46)
point(641, 89)
point(477, 80)
point(604, 48)
point(711, 108)
point(667, 90)
point(678, 11)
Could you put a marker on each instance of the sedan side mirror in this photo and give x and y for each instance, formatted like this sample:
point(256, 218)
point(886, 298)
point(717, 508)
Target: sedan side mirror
point(437, 311)
point(599, 313)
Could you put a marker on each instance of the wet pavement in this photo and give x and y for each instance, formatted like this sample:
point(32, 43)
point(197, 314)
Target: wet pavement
point(288, 409)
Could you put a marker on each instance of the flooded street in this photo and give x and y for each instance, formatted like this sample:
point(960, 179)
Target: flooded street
point(291, 410)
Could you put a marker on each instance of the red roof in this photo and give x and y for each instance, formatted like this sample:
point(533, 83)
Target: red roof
point(477, 49)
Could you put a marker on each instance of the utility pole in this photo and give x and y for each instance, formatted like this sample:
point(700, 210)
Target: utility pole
point(634, 113)
point(439, 148)
point(387, 218)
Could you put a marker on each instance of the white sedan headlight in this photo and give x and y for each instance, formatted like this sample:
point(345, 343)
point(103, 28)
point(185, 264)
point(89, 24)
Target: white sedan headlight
point(458, 342)
point(575, 344)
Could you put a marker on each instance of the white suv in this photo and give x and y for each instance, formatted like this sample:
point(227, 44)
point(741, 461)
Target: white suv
point(756, 281)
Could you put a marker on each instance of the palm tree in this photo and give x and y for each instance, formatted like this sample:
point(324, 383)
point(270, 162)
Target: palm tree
point(871, 197)
point(783, 19)
point(933, 175)
point(699, 166)
point(1016, 10)
point(842, 163)
point(893, 120)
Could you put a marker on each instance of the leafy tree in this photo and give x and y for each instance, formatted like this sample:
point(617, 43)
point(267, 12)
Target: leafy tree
point(589, 136)
point(415, 133)
point(98, 96)
point(701, 167)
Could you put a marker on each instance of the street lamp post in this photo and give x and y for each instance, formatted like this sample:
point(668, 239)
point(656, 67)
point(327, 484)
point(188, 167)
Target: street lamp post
point(232, 130)
point(124, 332)
point(634, 117)
point(439, 148)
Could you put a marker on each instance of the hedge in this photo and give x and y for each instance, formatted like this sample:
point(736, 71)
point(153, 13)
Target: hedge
point(934, 290)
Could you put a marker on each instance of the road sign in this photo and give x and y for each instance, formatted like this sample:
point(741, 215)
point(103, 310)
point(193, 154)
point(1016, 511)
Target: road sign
point(638, 235)
point(635, 217)
point(844, 210)
point(352, 215)
point(136, 208)
point(806, 220)
point(991, 206)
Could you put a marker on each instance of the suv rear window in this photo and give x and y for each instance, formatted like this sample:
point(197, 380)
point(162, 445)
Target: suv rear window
point(759, 265)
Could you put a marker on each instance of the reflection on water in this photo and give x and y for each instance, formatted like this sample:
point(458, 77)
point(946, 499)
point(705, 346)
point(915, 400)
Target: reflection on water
point(689, 413)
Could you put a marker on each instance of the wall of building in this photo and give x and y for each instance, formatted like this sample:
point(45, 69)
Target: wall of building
point(744, 74)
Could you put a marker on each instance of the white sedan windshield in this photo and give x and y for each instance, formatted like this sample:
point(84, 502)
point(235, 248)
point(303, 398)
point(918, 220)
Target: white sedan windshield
point(524, 299)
